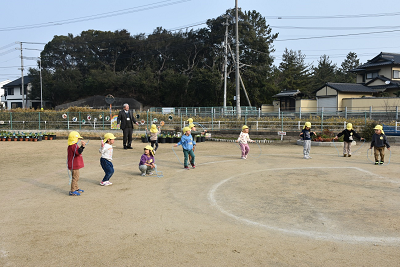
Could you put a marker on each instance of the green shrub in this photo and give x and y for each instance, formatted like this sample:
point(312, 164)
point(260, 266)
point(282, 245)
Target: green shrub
point(368, 130)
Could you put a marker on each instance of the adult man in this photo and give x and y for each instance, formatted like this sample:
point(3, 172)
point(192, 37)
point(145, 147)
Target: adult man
point(125, 121)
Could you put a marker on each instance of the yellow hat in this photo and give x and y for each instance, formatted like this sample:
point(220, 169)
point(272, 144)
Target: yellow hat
point(349, 126)
point(108, 136)
point(379, 127)
point(190, 120)
point(245, 127)
point(73, 137)
point(153, 128)
point(149, 147)
point(185, 129)
point(307, 124)
point(191, 125)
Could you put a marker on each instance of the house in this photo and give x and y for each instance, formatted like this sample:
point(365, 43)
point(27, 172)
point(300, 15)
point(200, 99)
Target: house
point(2, 91)
point(379, 77)
point(287, 99)
point(99, 102)
point(13, 94)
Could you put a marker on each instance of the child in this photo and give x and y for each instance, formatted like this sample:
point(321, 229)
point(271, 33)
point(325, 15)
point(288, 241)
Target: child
point(379, 142)
point(306, 135)
point(193, 132)
point(243, 139)
point(187, 143)
point(154, 137)
point(147, 163)
point(106, 151)
point(348, 138)
point(75, 161)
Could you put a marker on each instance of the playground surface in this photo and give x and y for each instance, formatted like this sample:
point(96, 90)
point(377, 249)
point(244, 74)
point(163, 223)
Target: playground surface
point(273, 209)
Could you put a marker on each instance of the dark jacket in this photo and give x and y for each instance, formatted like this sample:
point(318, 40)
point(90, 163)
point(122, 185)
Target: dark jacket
point(348, 136)
point(379, 140)
point(122, 120)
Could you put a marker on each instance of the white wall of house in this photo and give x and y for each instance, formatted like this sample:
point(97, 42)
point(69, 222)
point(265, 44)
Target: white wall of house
point(2, 91)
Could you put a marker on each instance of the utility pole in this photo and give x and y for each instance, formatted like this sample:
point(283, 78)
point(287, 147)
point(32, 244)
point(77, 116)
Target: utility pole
point(22, 78)
point(238, 111)
point(226, 24)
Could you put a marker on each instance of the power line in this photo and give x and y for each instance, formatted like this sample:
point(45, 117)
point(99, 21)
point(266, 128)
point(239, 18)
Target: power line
point(337, 16)
point(98, 16)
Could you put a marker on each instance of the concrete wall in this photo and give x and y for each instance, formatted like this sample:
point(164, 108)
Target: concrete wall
point(307, 105)
point(377, 103)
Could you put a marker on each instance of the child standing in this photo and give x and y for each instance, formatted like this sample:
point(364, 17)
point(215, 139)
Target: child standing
point(306, 135)
point(194, 132)
point(187, 143)
point(348, 138)
point(379, 141)
point(154, 137)
point(147, 162)
point(106, 151)
point(243, 139)
point(75, 161)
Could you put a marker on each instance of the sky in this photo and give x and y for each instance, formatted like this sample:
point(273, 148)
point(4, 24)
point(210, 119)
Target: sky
point(333, 28)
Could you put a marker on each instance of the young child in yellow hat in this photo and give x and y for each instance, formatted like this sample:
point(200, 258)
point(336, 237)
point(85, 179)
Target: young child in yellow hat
point(147, 162)
point(243, 139)
point(75, 161)
point(154, 137)
point(187, 143)
point(379, 141)
point(306, 134)
point(106, 151)
point(348, 137)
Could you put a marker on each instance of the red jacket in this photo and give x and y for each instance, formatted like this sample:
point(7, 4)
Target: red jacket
point(75, 159)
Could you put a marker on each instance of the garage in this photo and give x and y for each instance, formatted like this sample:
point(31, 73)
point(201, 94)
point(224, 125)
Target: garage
point(329, 103)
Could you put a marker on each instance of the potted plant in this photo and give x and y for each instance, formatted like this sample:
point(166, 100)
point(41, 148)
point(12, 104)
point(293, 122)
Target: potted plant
point(198, 138)
point(203, 138)
point(162, 138)
point(144, 138)
point(169, 139)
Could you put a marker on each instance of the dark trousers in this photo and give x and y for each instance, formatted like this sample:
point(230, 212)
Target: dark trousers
point(154, 144)
point(186, 154)
point(108, 168)
point(127, 138)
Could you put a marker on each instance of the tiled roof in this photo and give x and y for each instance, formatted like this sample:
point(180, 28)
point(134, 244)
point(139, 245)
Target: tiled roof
point(288, 93)
point(349, 87)
point(380, 60)
point(17, 82)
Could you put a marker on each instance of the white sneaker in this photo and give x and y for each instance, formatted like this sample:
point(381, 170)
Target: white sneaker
point(243, 158)
point(108, 183)
point(150, 173)
point(104, 183)
point(143, 174)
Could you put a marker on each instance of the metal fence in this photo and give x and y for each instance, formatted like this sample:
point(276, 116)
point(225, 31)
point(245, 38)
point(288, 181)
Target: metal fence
point(174, 121)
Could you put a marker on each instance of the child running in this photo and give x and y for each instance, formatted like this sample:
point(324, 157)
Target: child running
point(306, 135)
point(243, 139)
point(379, 141)
point(187, 143)
point(154, 137)
point(106, 151)
point(75, 161)
point(348, 138)
point(147, 163)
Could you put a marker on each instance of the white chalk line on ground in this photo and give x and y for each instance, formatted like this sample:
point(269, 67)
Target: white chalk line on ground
point(299, 232)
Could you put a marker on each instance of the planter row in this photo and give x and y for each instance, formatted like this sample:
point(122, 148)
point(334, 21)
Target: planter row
point(172, 140)
point(24, 138)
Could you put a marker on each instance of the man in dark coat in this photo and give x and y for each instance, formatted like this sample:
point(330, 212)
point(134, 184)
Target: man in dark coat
point(125, 121)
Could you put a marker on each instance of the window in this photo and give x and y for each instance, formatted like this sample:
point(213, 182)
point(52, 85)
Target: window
point(20, 91)
point(371, 75)
point(10, 91)
point(396, 74)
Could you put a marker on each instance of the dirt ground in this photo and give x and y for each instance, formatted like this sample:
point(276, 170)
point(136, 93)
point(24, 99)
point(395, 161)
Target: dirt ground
point(273, 209)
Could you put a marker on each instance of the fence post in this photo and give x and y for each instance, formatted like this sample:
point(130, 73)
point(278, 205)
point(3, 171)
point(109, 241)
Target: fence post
point(397, 114)
point(365, 118)
point(395, 127)
point(344, 125)
point(257, 125)
point(68, 120)
point(279, 113)
point(298, 125)
point(345, 113)
point(259, 113)
point(282, 122)
point(11, 120)
point(322, 119)
point(212, 118)
point(39, 119)
point(370, 112)
point(219, 125)
point(299, 112)
point(195, 112)
point(80, 122)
